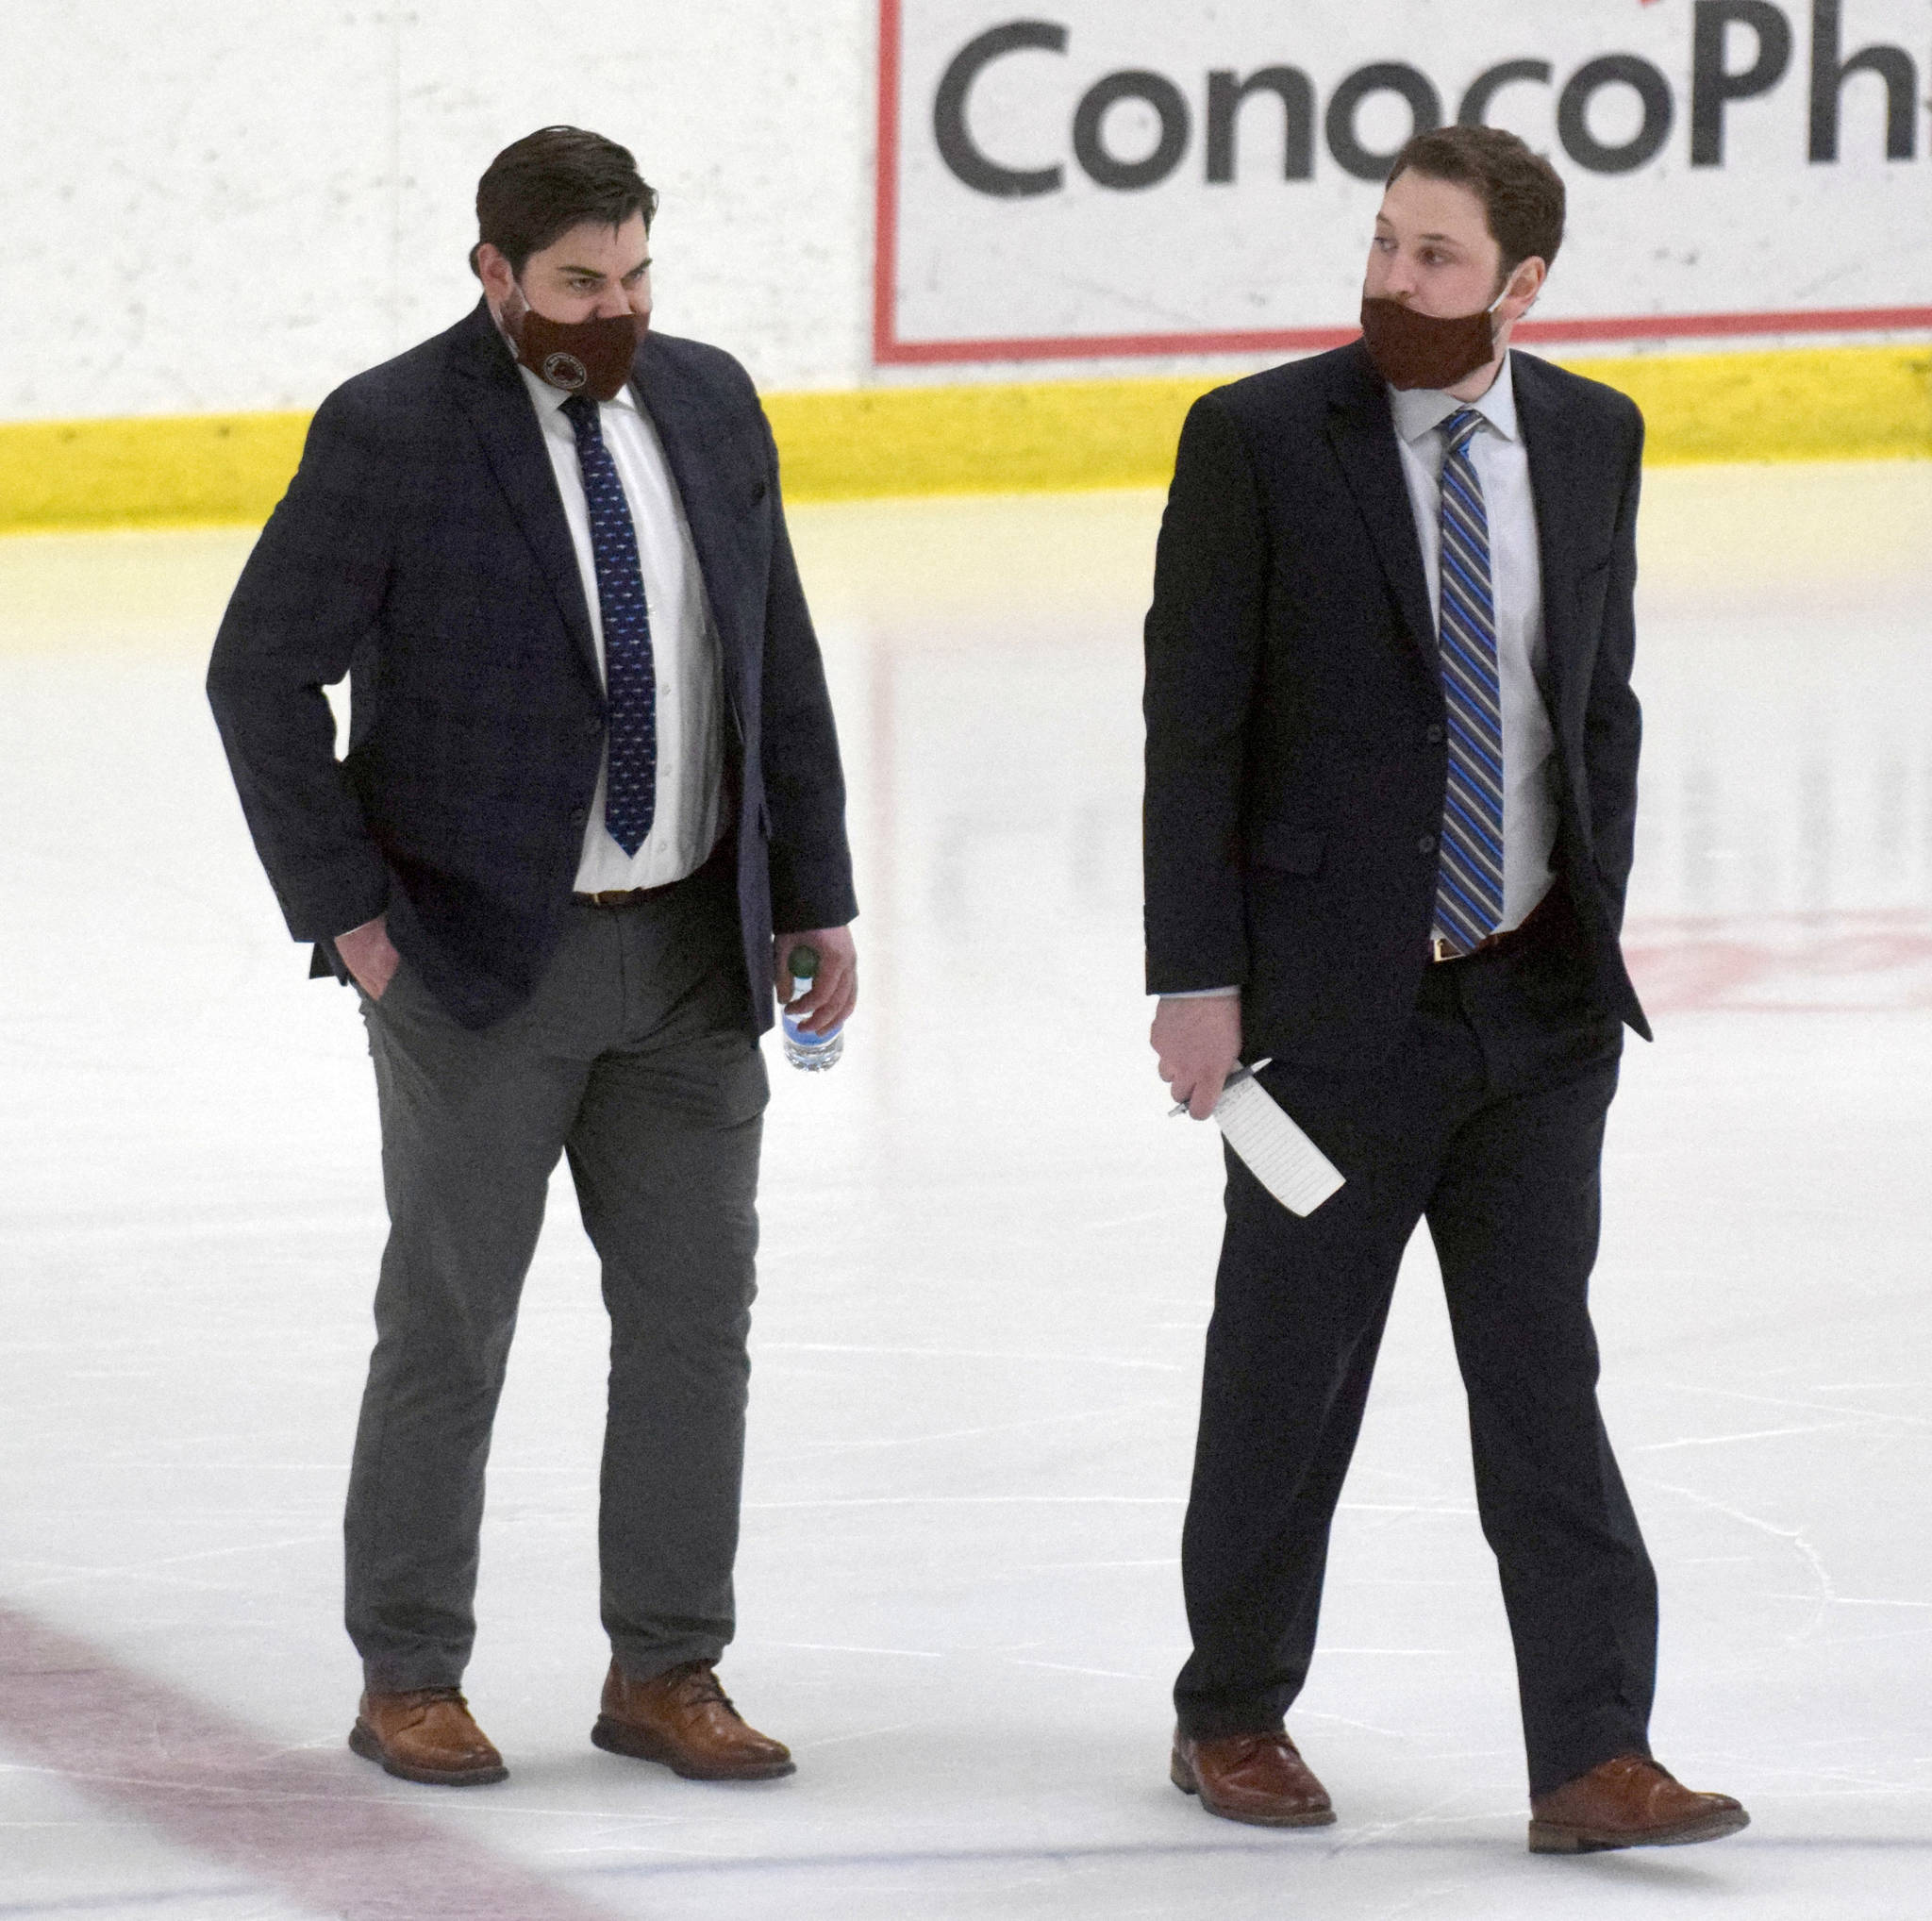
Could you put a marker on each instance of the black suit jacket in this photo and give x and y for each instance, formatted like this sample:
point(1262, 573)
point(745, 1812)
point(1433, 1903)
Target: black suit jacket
point(1296, 764)
point(422, 548)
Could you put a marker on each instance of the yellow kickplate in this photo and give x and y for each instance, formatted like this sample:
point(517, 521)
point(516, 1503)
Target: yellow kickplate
point(1813, 404)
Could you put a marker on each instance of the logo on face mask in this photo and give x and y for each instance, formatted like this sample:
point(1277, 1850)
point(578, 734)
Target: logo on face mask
point(578, 357)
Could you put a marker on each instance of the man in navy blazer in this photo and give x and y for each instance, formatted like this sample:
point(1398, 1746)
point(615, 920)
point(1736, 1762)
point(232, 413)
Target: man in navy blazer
point(591, 768)
point(1392, 787)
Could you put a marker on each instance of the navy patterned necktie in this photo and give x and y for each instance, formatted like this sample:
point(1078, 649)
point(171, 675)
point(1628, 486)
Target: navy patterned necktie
point(1469, 878)
point(631, 674)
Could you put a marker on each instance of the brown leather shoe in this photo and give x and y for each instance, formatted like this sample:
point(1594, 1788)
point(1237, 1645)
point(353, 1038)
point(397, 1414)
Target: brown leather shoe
point(1259, 1779)
point(1627, 1802)
point(684, 1719)
point(426, 1735)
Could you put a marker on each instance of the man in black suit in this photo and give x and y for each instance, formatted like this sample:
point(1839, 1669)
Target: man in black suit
point(591, 766)
point(1391, 782)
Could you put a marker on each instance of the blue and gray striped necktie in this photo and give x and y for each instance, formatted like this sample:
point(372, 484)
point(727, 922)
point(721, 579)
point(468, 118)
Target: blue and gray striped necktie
point(630, 674)
point(1469, 879)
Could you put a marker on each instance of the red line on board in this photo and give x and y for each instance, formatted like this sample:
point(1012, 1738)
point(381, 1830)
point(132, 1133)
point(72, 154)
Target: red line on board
point(1705, 326)
point(1098, 346)
point(1290, 340)
point(885, 261)
point(889, 350)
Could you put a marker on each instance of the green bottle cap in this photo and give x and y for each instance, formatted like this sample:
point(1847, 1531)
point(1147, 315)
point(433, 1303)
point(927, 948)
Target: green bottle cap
point(803, 961)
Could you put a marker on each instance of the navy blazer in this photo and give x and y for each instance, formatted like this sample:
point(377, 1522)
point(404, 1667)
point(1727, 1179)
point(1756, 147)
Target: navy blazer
point(423, 549)
point(1297, 760)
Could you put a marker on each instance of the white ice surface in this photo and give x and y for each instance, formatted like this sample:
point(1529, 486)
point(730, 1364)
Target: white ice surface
point(987, 1267)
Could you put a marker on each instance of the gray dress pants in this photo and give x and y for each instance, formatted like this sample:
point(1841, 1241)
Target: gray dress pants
point(635, 1057)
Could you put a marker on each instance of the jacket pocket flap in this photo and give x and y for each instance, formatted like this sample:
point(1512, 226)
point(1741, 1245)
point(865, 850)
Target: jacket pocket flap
point(1294, 850)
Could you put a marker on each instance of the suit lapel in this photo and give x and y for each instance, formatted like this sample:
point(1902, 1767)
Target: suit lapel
point(1561, 481)
point(1362, 432)
point(692, 436)
point(492, 395)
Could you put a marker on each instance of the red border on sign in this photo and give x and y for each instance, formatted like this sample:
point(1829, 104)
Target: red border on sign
point(889, 350)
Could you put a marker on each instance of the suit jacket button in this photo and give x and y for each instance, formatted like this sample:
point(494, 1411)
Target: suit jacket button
point(1434, 736)
point(579, 815)
point(1426, 844)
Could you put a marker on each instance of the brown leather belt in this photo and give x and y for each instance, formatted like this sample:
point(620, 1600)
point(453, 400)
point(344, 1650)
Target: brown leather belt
point(719, 860)
point(626, 896)
point(1528, 933)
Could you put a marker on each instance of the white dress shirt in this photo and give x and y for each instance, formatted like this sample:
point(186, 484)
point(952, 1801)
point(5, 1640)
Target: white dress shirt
point(1516, 574)
point(1502, 464)
point(684, 644)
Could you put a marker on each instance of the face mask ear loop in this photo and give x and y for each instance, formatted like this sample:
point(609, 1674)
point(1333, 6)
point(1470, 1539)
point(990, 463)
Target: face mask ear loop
point(1503, 295)
point(509, 322)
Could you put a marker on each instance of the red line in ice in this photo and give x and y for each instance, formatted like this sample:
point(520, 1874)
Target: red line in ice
point(1773, 963)
point(323, 1828)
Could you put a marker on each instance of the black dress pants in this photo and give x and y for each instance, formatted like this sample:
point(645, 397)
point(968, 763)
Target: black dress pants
point(1487, 1122)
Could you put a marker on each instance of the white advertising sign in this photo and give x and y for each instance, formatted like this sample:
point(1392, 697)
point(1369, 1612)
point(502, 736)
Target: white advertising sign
point(1077, 178)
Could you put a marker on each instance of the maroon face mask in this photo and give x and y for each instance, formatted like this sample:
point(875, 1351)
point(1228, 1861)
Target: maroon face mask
point(581, 356)
point(1412, 349)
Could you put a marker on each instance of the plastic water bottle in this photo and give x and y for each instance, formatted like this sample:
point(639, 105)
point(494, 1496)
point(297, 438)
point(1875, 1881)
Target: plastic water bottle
point(814, 1053)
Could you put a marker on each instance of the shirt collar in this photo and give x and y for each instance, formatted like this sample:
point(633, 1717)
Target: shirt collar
point(1420, 411)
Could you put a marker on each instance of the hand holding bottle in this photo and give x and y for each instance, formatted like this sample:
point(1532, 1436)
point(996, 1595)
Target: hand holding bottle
point(818, 988)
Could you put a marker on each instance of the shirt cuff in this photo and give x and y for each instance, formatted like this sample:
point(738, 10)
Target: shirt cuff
point(1203, 994)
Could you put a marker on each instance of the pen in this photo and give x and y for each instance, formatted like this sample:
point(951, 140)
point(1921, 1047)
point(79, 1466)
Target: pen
point(1180, 1108)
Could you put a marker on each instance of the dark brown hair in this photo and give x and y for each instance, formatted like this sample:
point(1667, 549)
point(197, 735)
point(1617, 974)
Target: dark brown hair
point(538, 187)
point(1521, 192)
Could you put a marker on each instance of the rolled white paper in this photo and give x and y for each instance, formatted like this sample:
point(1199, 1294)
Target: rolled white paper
point(1277, 1153)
